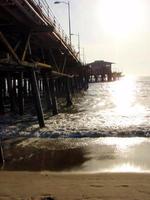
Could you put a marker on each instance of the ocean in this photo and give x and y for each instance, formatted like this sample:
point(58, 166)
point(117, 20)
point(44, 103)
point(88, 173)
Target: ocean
point(120, 108)
point(106, 130)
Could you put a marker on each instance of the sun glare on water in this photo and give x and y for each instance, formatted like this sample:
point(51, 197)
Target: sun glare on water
point(124, 97)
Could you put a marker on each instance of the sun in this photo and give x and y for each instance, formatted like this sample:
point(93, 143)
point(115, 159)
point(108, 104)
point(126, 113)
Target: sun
point(121, 17)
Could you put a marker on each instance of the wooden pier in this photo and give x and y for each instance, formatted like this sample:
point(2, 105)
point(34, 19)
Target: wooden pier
point(37, 61)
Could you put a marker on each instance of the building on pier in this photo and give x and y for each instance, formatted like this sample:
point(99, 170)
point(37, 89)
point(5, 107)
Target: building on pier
point(101, 70)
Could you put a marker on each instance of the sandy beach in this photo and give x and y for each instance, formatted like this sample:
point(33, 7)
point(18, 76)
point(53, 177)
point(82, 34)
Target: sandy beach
point(41, 169)
point(65, 186)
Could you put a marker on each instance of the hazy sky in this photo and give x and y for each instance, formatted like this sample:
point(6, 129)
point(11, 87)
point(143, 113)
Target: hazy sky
point(111, 30)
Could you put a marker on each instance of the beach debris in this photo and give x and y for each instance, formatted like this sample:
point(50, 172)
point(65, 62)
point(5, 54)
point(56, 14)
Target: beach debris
point(47, 198)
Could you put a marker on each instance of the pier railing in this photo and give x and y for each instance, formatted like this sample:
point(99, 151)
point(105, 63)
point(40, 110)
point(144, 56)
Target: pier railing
point(44, 6)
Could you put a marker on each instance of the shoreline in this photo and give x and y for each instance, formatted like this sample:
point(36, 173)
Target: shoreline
point(71, 155)
point(23, 185)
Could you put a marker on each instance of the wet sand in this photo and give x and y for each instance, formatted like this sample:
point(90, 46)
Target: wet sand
point(84, 155)
point(63, 186)
point(65, 169)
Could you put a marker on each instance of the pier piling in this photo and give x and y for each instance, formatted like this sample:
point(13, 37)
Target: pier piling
point(36, 98)
point(11, 93)
point(1, 96)
point(53, 97)
point(68, 92)
point(2, 160)
point(20, 93)
point(47, 91)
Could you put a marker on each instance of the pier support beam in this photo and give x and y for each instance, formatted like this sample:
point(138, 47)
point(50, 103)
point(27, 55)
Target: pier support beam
point(4, 88)
point(26, 47)
point(1, 96)
point(14, 86)
point(9, 47)
point(2, 159)
point(109, 76)
point(37, 99)
point(25, 87)
point(20, 94)
point(53, 97)
point(1, 155)
point(86, 82)
point(68, 93)
point(47, 91)
point(11, 94)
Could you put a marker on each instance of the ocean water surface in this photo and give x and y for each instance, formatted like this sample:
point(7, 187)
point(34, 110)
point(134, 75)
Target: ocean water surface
point(120, 108)
point(107, 130)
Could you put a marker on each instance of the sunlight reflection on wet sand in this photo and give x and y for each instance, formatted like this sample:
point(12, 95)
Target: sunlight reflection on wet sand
point(79, 155)
point(118, 155)
point(126, 167)
point(127, 154)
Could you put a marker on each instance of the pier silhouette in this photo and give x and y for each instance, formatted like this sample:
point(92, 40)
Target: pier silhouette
point(37, 59)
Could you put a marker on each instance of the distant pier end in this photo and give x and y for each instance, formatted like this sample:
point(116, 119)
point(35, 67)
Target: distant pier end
point(102, 71)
